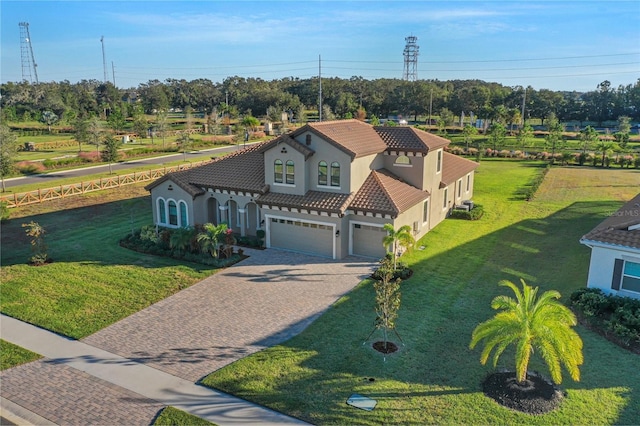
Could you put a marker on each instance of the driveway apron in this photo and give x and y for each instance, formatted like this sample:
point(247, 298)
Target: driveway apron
point(260, 302)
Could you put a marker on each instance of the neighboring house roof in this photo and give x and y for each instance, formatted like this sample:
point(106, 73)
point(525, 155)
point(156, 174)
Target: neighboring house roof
point(410, 139)
point(620, 229)
point(356, 138)
point(454, 167)
point(313, 201)
point(288, 140)
point(384, 193)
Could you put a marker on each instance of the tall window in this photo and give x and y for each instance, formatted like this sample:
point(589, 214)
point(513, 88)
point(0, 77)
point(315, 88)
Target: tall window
point(425, 211)
point(459, 188)
point(439, 164)
point(444, 198)
point(335, 174)
point(290, 173)
point(184, 220)
point(162, 211)
point(322, 173)
point(468, 182)
point(277, 171)
point(173, 213)
point(631, 276)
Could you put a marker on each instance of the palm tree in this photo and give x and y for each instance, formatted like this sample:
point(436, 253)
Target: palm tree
point(397, 238)
point(210, 237)
point(605, 148)
point(180, 239)
point(529, 323)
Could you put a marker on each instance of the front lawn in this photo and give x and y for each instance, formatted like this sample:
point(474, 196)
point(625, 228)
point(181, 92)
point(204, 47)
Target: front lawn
point(92, 282)
point(435, 378)
point(13, 355)
point(170, 416)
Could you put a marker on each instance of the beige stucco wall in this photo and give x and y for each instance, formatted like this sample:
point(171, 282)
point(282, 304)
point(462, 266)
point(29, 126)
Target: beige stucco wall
point(300, 174)
point(412, 174)
point(176, 194)
point(324, 151)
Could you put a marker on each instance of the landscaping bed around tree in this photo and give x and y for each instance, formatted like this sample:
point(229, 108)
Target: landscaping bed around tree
point(435, 378)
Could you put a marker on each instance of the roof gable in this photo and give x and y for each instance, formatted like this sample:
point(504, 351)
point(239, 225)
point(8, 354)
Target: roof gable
point(619, 229)
point(404, 138)
point(454, 167)
point(356, 138)
point(382, 192)
point(288, 140)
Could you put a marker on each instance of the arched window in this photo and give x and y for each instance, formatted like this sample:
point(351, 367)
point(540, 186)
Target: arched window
point(290, 173)
point(277, 171)
point(322, 173)
point(184, 219)
point(403, 160)
point(173, 213)
point(335, 174)
point(162, 211)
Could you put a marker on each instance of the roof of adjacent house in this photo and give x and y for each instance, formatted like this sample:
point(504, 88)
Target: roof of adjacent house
point(622, 228)
point(356, 138)
point(454, 167)
point(383, 192)
point(403, 138)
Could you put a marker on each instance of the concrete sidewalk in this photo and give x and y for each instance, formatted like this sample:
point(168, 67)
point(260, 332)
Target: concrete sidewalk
point(145, 381)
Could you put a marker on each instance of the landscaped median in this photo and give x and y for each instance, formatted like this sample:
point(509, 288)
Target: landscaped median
point(435, 378)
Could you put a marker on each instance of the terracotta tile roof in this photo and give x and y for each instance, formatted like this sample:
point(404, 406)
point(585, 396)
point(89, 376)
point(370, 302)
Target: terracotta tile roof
point(329, 202)
point(454, 167)
point(614, 230)
point(404, 138)
point(179, 179)
point(287, 139)
point(355, 137)
point(384, 193)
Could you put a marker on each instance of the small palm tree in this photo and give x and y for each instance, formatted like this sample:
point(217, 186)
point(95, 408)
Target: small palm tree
point(397, 238)
point(210, 237)
point(529, 323)
point(180, 239)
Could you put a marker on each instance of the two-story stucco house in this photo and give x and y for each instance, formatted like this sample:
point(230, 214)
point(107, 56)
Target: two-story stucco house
point(326, 188)
point(615, 252)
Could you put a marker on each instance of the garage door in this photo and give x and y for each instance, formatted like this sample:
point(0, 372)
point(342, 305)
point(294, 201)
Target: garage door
point(367, 240)
point(305, 237)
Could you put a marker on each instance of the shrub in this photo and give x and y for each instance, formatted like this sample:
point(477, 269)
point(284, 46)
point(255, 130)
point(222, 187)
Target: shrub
point(28, 167)
point(4, 211)
point(474, 214)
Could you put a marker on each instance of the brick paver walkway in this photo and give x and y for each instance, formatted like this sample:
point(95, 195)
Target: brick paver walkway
point(67, 396)
point(260, 302)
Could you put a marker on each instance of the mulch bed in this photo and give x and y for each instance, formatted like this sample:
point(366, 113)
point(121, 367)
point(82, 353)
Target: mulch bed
point(536, 395)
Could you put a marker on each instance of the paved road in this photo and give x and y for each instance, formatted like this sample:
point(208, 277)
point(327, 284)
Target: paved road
point(46, 178)
point(126, 372)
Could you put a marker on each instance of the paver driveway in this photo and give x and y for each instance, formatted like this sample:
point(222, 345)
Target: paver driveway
point(260, 302)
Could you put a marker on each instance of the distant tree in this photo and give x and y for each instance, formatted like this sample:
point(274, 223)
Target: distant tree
point(96, 132)
point(250, 122)
point(468, 132)
point(361, 114)
point(374, 121)
point(116, 120)
point(497, 133)
point(588, 136)
point(162, 125)
point(327, 114)
point(397, 238)
point(301, 114)
point(624, 128)
point(110, 153)
point(387, 300)
point(49, 118)
point(8, 152)
point(529, 322)
point(554, 137)
point(604, 148)
point(81, 132)
point(523, 134)
point(140, 123)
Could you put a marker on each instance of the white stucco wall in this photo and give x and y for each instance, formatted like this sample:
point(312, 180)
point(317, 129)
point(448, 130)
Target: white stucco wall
point(601, 268)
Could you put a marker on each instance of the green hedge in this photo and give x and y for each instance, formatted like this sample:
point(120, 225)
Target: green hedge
point(610, 315)
point(474, 214)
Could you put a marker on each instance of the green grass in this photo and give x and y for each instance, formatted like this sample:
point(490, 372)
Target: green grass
point(12, 355)
point(92, 282)
point(435, 378)
point(171, 416)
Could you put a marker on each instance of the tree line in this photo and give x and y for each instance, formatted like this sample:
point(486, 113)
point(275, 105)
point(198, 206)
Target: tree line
point(341, 98)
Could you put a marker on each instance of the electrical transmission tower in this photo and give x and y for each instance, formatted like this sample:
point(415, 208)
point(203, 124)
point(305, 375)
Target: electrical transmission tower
point(411, 49)
point(26, 54)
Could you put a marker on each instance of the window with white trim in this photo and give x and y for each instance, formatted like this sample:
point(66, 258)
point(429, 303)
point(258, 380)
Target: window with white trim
point(184, 218)
point(439, 162)
point(290, 173)
point(173, 213)
point(459, 188)
point(322, 173)
point(162, 211)
point(277, 171)
point(425, 211)
point(631, 277)
point(402, 160)
point(468, 182)
point(444, 198)
point(335, 174)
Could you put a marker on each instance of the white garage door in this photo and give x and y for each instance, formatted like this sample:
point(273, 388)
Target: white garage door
point(367, 240)
point(305, 237)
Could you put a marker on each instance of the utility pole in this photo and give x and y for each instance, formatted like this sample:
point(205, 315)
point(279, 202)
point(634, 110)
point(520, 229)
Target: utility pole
point(113, 74)
point(104, 60)
point(319, 88)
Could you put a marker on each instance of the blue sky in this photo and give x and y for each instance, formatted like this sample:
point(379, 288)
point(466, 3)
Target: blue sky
point(557, 45)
